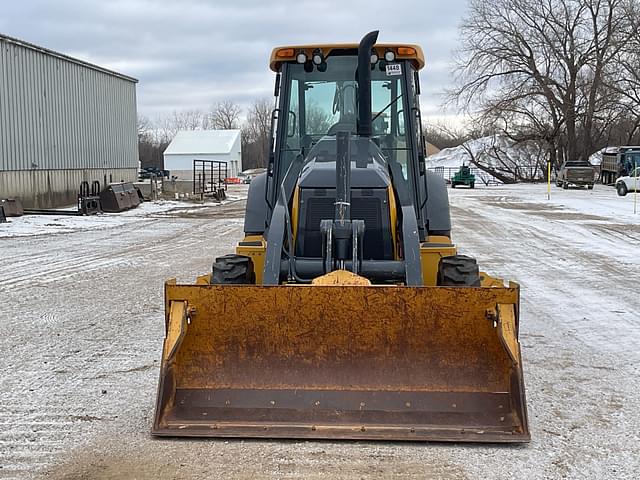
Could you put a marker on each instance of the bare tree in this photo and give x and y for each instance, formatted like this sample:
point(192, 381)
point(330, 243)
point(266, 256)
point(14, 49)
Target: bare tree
point(544, 70)
point(317, 119)
point(225, 115)
point(144, 125)
point(165, 128)
point(443, 135)
point(256, 134)
point(150, 144)
point(190, 120)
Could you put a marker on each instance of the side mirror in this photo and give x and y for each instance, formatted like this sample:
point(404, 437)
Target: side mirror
point(276, 88)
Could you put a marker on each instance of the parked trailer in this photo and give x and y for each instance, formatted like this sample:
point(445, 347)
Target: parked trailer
point(210, 179)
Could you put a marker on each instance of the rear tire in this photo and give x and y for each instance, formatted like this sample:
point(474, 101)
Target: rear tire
point(458, 271)
point(233, 270)
point(590, 187)
point(472, 185)
point(453, 185)
point(621, 188)
point(565, 185)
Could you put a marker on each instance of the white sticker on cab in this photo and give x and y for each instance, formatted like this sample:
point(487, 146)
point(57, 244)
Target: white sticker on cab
point(394, 69)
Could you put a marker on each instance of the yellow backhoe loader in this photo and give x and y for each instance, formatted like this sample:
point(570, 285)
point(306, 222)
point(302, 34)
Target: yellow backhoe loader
point(346, 312)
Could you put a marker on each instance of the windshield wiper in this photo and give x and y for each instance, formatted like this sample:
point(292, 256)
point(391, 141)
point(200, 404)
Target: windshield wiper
point(385, 108)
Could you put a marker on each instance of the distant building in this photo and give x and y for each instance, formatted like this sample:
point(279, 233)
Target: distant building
point(62, 121)
point(190, 145)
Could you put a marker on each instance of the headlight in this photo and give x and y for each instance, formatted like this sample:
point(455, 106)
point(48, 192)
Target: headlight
point(301, 57)
point(389, 56)
point(317, 57)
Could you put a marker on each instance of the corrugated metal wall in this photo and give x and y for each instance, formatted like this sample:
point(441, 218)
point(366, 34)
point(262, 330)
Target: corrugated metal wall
point(56, 188)
point(58, 115)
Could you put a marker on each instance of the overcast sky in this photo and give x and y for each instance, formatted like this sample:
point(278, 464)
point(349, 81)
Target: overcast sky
point(190, 54)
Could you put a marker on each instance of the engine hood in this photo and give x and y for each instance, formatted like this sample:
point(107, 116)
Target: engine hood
point(368, 165)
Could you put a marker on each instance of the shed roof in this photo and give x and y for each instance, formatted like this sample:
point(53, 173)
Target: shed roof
point(188, 142)
point(62, 56)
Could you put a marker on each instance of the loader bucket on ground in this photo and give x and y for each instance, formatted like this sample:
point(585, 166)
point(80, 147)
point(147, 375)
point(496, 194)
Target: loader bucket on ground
point(335, 362)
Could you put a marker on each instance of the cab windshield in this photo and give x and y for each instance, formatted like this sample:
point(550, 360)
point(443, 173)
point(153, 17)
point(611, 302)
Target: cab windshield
point(325, 102)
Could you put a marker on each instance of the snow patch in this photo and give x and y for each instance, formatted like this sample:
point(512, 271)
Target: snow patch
point(30, 225)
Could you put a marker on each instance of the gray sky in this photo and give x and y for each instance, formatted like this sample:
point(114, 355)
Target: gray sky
point(190, 54)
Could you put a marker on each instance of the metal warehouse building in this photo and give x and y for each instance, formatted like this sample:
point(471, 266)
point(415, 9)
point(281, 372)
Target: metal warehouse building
point(62, 121)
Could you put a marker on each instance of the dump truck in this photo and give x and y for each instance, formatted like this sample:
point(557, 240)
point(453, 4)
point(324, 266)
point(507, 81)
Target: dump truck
point(618, 162)
point(346, 311)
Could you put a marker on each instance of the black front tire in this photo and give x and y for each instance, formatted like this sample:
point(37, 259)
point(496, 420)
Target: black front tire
point(472, 185)
point(458, 271)
point(233, 270)
point(621, 188)
point(565, 185)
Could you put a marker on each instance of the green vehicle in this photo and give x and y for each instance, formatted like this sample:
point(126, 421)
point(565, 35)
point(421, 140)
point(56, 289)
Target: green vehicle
point(463, 177)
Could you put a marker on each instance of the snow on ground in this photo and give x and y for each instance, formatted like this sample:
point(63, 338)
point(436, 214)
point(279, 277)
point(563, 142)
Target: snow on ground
point(487, 150)
point(29, 225)
point(450, 160)
point(493, 151)
point(490, 151)
point(448, 157)
point(602, 201)
point(579, 270)
point(81, 332)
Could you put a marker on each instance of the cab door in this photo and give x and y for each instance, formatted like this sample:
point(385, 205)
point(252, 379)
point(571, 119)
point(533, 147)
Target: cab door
point(633, 180)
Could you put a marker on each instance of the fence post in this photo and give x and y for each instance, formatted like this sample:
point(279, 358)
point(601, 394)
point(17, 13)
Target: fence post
point(635, 191)
point(549, 180)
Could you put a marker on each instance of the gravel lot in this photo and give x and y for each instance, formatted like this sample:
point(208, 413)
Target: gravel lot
point(81, 330)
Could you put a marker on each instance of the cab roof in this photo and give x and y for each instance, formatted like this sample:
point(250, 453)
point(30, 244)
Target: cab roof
point(403, 51)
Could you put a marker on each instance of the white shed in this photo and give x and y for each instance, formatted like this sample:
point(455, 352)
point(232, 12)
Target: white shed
point(190, 145)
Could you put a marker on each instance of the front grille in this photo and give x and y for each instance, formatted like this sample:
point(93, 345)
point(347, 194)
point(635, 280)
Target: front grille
point(377, 238)
point(370, 210)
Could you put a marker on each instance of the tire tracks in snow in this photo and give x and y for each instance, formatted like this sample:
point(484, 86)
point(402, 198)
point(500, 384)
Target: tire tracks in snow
point(42, 270)
point(40, 418)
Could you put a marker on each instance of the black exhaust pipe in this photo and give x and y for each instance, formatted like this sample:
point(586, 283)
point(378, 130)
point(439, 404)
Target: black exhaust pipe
point(364, 83)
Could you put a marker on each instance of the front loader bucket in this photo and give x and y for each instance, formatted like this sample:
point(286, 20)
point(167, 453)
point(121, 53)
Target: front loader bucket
point(336, 362)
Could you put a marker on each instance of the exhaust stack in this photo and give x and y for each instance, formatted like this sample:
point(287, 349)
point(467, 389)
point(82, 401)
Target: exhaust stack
point(364, 83)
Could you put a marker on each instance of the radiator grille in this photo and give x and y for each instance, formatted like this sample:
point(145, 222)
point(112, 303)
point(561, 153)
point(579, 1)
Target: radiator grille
point(367, 208)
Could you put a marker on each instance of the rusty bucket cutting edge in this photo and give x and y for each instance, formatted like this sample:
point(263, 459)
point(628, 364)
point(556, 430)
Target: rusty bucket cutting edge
point(331, 362)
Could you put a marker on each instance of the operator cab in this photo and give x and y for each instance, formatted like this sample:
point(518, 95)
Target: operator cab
point(321, 99)
point(347, 152)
